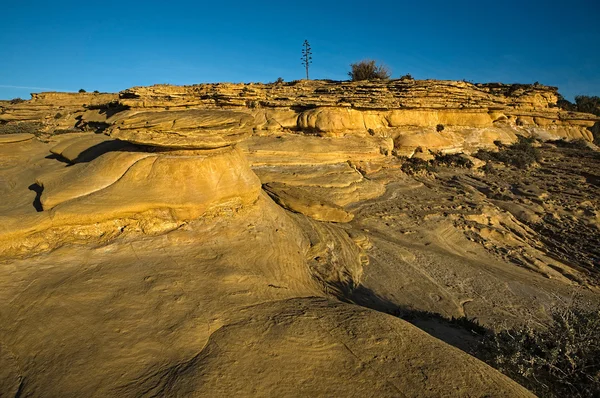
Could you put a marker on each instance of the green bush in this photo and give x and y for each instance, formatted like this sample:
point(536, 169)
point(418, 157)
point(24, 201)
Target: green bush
point(583, 103)
point(588, 104)
point(451, 160)
point(416, 166)
point(15, 101)
point(21, 127)
point(368, 70)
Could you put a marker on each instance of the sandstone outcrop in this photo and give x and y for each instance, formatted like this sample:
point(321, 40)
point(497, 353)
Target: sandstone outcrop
point(57, 111)
point(188, 129)
point(117, 180)
point(395, 108)
point(230, 239)
point(10, 138)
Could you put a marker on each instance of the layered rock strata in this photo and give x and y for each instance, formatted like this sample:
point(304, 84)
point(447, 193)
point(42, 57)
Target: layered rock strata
point(398, 108)
point(59, 111)
point(210, 172)
point(113, 180)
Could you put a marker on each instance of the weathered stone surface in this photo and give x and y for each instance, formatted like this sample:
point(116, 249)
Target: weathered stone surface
point(326, 108)
point(86, 146)
point(189, 129)
point(332, 120)
point(290, 149)
point(382, 108)
point(283, 336)
point(193, 281)
point(85, 178)
point(137, 185)
point(190, 186)
point(56, 111)
point(452, 140)
point(335, 175)
point(10, 138)
point(301, 200)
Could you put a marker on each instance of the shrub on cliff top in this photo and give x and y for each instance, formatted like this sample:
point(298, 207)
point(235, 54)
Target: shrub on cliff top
point(368, 70)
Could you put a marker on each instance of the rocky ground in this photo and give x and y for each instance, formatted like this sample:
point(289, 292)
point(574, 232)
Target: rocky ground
point(470, 230)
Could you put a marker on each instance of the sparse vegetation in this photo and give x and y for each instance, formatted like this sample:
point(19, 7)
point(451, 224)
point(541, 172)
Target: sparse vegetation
point(574, 144)
point(439, 128)
point(279, 80)
point(521, 154)
point(368, 70)
point(583, 103)
point(416, 166)
point(81, 90)
point(451, 160)
point(21, 127)
point(15, 101)
point(562, 360)
point(407, 77)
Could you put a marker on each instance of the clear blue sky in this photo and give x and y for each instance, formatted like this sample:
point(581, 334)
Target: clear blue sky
point(112, 45)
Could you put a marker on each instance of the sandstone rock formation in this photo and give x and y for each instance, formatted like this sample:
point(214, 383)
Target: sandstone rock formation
point(119, 181)
point(190, 129)
point(396, 108)
point(57, 111)
point(247, 239)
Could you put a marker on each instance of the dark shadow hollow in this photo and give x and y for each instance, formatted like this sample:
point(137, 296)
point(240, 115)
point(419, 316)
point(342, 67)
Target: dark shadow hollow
point(37, 204)
point(449, 330)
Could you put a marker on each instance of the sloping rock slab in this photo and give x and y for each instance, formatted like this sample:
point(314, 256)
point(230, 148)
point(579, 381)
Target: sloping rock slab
point(10, 138)
point(301, 200)
point(85, 178)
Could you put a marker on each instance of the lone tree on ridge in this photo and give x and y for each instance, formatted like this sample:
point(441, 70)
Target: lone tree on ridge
point(306, 56)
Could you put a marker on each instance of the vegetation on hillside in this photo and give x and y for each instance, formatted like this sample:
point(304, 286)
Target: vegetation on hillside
point(522, 154)
point(583, 103)
point(562, 360)
point(559, 359)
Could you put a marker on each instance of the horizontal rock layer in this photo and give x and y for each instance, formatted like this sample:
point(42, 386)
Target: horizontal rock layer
point(186, 129)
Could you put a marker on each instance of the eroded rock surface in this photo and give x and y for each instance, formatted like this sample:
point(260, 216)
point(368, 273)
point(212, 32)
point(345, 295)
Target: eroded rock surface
point(189, 129)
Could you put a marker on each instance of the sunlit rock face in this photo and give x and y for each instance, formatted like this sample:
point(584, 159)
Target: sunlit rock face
point(187, 165)
point(171, 179)
point(188, 129)
point(397, 109)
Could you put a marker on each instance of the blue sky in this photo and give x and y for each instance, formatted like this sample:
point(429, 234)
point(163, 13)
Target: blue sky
point(113, 45)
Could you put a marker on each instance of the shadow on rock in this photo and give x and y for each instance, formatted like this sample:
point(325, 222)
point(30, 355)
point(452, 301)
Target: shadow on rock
point(463, 333)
